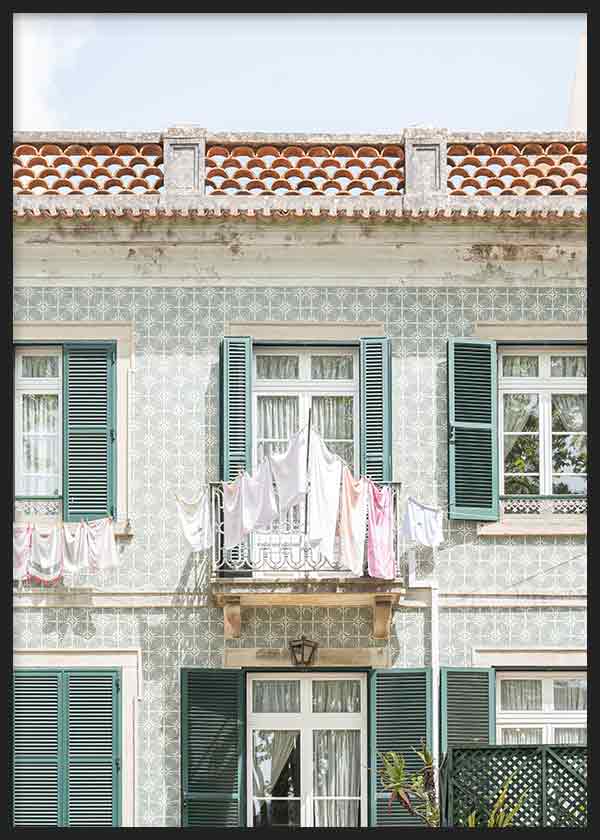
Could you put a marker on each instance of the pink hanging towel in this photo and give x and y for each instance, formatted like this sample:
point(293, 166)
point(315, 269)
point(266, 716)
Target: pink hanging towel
point(21, 551)
point(380, 541)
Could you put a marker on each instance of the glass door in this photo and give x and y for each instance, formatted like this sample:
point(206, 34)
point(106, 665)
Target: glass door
point(307, 750)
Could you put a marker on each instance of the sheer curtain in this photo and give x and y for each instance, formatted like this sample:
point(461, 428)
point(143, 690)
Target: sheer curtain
point(522, 735)
point(518, 410)
point(568, 366)
point(521, 695)
point(272, 750)
point(332, 417)
point(276, 367)
point(519, 365)
point(336, 772)
point(276, 696)
point(277, 422)
point(569, 413)
point(570, 735)
point(39, 417)
point(336, 696)
point(331, 367)
point(570, 695)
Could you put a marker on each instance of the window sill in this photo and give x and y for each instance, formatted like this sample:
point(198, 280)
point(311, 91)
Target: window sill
point(532, 525)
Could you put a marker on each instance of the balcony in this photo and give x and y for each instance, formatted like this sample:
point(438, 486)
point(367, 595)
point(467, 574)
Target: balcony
point(276, 567)
point(539, 516)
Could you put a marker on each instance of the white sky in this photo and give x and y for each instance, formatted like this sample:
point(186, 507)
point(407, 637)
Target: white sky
point(294, 72)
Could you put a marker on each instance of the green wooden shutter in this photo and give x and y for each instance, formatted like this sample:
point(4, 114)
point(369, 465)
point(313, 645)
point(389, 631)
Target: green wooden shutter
point(468, 713)
point(472, 429)
point(36, 748)
point(236, 406)
point(400, 719)
point(376, 408)
point(89, 431)
point(66, 747)
point(212, 747)
point(92, 748)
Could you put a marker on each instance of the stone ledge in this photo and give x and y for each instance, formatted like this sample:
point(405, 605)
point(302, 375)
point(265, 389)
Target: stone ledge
point(522, 525)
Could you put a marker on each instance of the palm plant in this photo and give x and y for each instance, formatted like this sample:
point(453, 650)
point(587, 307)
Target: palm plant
point(501, 815)
point(415, 792)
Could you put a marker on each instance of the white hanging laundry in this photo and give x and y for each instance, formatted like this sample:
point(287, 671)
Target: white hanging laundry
point(353, 521)
point(195, 521)
point(290, 473)
point(21, 551)
point(46, 562)
point(248, 504)
point(325, 473)
point(76, 555)
point(422, 523)
point(102, 546)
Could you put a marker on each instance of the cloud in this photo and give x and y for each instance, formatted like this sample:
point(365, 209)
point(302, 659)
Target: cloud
point(43, 45)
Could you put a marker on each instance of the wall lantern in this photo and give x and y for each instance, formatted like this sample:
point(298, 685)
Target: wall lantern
point(302, 651)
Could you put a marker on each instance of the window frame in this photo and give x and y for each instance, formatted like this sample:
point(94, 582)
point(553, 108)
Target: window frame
point(547, 718)
point(306, 388)
point(306, 721)
point(543, 385)
point(37, 386)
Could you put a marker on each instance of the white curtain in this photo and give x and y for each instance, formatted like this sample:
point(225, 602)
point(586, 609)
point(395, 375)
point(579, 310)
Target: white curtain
point(521, 695)
point(520, 413)
point(333, 418)
point(519, 365)
point(336, 696)
point(522, 735)
point(272, 750)
point(331, 367)
point(570, 735)
point(276, 367)
point(39, 367)
point(570, 695)
point(277, 419)
point(336, 773)
point(569, 413)
point(40, 470)
point(276, 696)
point(568, 366)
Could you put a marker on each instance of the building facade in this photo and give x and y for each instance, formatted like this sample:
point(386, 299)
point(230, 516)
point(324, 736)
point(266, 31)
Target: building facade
point(190, 296)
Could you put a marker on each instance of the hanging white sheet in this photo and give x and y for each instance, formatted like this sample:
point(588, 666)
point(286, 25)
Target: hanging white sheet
point(195, 521)
point(422, 523)
point(325, 472)
point(290, 473)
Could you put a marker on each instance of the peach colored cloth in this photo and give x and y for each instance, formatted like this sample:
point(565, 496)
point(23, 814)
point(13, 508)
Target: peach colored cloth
point(380, 543)
point(353, 521)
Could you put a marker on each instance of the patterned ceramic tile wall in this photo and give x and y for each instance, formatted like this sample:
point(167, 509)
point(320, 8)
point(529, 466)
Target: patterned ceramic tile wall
point(175, 425)
point(461, 630)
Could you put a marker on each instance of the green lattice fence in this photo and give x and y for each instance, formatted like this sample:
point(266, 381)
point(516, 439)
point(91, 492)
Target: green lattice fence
point(555, 778)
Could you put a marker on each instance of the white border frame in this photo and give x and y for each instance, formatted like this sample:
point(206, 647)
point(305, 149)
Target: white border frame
point(543, 385)
point(129, 660)
point(306, 721)
point(546, 718)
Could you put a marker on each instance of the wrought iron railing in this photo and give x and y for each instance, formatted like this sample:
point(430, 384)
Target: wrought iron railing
point(553, 779)
point(41, 507)
point(282, 550)
point(543, 505)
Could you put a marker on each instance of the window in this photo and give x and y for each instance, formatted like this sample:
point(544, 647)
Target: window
point(542, 421)
point(66, 747)
point(541, 708)
point(65, 428)
point(307, 750)
point(38, 422)
point(288, 383)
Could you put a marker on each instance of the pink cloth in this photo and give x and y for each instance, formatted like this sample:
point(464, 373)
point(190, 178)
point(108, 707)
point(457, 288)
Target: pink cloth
point(353, 521)
point(380, 544)
point(21, 551)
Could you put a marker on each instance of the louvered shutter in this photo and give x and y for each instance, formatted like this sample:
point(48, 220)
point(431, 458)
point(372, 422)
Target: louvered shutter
point(212, 747)
point(236, 406)
point(472, 430)
point(92, 747)
point(36, 748)
point(376, 408)
point(66, 742)
point(400, 714)
point(468, 706)
point(89, 436)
